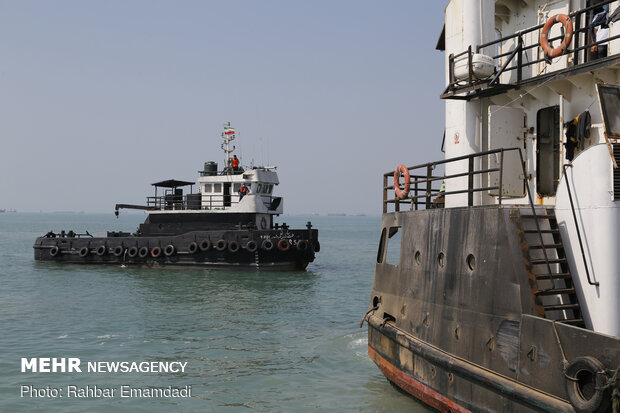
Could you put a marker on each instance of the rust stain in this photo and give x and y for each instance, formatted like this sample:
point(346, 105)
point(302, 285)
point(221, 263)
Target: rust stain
point(414, 387)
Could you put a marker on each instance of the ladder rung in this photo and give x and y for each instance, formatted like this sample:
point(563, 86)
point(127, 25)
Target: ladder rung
point(555, 291)
point(558, 307)
point(552, 276)
point(550, 261)
point(542, 231)
point(546, 246)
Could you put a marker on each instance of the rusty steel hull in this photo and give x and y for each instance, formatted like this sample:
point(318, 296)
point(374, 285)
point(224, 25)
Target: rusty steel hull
point(463, 334)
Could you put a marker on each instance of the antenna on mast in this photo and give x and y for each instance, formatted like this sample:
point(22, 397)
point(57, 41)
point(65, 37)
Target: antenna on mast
point(228, 135)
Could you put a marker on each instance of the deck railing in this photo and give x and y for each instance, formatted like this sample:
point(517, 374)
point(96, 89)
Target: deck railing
point(471, 87)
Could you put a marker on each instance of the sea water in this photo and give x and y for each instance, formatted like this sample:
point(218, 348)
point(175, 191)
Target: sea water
point(251, 341)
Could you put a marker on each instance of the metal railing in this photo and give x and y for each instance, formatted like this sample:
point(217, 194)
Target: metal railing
point(422, 186)
point(471, 87)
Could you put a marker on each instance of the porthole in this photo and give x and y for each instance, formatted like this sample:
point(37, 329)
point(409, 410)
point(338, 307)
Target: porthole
point(418, 258)
point(471, 262)
point(441, 259)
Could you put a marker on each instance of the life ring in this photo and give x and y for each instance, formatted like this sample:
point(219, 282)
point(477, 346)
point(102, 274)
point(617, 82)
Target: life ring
point(251, 246)
point(143, 252)
point(205, 245)
point(169, 250)
point(401, 194)
point(101, 250)
point(54, 251)
point(568, 35)
point(156, 252)
point(267, 245)
point(220, 245)
point(233, 246)
point(118, 250)
point(132, 251)
point(283, 245)
point(84, 252)
point(193, 247)
point(302, 245)
point(585, 379)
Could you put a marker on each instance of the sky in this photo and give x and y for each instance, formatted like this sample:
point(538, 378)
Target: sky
point(99, 99)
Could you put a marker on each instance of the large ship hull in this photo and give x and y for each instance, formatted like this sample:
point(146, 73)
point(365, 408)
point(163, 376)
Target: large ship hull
point(253, 249)
point(462, 322)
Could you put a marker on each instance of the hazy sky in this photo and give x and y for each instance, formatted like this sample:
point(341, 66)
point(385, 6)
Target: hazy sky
point(99, 99)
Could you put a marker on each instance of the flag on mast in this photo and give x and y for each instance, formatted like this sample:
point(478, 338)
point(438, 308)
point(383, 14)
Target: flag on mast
point(229, 130)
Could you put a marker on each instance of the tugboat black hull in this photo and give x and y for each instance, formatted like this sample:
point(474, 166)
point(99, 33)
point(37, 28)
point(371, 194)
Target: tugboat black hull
point(253, 249)
point(462, 322)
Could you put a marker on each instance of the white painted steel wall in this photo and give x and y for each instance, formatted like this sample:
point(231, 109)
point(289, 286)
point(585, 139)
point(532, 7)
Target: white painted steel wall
point(468, 22)
point(598, 215)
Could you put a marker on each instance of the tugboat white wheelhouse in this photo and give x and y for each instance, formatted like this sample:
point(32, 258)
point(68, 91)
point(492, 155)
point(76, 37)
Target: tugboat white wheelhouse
point(227, 223)
point(498, 275)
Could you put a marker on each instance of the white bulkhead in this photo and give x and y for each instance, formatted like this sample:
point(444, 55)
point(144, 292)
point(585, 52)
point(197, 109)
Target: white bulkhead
point(532, 117)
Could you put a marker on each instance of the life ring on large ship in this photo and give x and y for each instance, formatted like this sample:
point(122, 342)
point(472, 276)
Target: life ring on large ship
point(251, 246)
point(132, 251)
point(156, 252)
point(192, 248)
point(267, 245)
point(401, 194)
point(284, 245)
point(54, 251)
point(317, 246)
point(84, 252)
point(205, 245)
point(220, 245)
point(568, 36)
point(585, 379)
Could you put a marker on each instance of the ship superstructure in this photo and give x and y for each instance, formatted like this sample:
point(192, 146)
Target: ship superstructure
point(228, 221)
point(497, 279)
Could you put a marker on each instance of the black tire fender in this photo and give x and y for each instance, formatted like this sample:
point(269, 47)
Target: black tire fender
point(302, 245)
point(205, 245)
point(233, 246)
point(132, 251)
point(192, 248)
point(118, 250)
point(84, 252)
point(54, 251)
point(251, 246)
point(267, 245)
point(143, 252)
point(585, 377)
point(170, 250)
point(221, 245)
point(102, 250)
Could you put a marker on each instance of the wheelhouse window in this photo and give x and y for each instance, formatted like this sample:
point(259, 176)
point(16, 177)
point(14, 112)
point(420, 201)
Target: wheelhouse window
point(259, 188)
point(217, 187)
point(208, 188)
point(236, 188)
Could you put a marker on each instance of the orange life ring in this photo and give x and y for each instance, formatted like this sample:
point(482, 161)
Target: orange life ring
point(401, 194)
point(568, 35)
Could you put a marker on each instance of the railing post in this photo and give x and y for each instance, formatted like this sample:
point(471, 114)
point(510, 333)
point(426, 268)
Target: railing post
point(470, 182)
point(501, 174)
point(429, 175)
point(385, 180)
point(576, 37)
point(519, 60)
point(415, 192)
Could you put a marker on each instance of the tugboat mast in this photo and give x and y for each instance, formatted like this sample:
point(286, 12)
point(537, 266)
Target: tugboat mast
point(228, 135)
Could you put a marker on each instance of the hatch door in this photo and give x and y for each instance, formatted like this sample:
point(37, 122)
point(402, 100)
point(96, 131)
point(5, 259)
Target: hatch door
point(506, 130)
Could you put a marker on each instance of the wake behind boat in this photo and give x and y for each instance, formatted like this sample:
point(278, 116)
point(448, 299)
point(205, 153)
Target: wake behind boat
point(229, 222)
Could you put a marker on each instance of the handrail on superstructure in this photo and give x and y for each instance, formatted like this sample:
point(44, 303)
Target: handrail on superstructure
point(470, 87)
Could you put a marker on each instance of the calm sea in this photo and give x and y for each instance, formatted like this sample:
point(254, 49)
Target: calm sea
point(253, 341)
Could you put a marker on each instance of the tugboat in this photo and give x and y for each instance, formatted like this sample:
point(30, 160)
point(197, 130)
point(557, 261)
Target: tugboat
point(497, 284)
point(229, 222)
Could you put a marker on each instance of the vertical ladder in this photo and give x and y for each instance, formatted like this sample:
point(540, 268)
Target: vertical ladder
point(553, 288)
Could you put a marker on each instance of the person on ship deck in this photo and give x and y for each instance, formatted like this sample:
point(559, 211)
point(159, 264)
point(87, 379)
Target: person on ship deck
point(235, 163)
